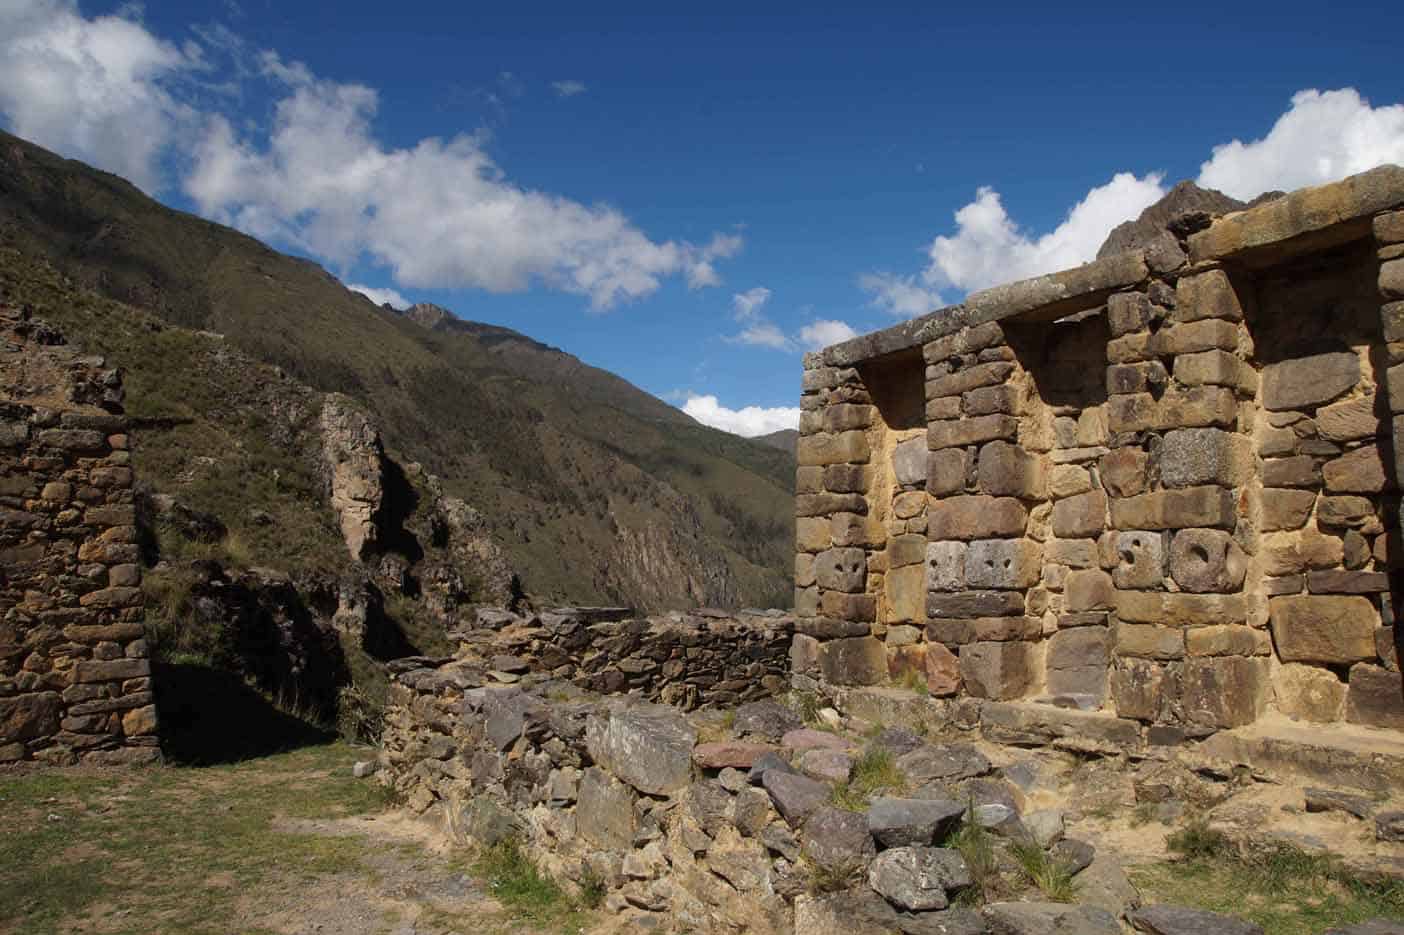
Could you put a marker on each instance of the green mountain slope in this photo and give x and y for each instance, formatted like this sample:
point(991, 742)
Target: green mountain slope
point(596, 490)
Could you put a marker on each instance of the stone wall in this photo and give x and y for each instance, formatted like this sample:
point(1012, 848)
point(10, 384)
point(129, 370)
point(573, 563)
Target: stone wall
point(75, 682)
point(1162, 485)
point(690, 660)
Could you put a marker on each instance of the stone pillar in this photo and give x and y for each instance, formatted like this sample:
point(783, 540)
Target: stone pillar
point(981, 483)
point(1177, 475)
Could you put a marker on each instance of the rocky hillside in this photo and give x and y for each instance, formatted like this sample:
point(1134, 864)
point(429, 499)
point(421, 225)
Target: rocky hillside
point(596, 491)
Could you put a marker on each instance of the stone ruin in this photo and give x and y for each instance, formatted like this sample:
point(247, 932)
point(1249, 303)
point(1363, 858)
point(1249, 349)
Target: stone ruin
point(1163, 486)
point(75, 679)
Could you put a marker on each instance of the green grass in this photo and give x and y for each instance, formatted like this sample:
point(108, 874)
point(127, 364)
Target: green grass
point(170, 849)
point(977, 846)
point(1282, 888)
point(875, 771)
point(1053, 877)
point(529, 895)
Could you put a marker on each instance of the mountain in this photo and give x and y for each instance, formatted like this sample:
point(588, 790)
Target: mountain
point(1185, 204)
point(595, 490)
point(785, 440)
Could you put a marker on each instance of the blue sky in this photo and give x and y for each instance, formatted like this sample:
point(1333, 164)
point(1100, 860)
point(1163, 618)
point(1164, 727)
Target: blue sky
point(691, 199)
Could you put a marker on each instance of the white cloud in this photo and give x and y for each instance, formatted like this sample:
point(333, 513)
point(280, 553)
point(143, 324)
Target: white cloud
point(568, 88)
point(94, 89)
point(762, 334)
point(903, 296)
point(748, 421)
point(747, 304)
point(1323, 136)
point(822, 333)
point(440, 213)
point(988, 247)
point(381, 296)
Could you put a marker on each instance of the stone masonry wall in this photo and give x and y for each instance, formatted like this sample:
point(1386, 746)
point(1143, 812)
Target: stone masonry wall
point(1162, 485)
point(75, 681)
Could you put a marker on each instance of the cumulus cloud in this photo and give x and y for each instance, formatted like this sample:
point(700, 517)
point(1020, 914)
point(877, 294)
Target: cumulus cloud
point(1323, 136)
point(95, 89)
point(903, 296)
point(748, 421)
point(381, 296)
point(568, 88)
point(748, 304)
point(441, 213)
point(824, 332)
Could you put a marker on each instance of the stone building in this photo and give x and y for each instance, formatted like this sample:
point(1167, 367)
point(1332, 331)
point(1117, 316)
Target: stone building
point(1163, 485)
point(75, 680)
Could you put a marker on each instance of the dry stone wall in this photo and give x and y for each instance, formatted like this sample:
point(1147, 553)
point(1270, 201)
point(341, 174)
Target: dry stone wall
point(1163, 485)
point(75, 680)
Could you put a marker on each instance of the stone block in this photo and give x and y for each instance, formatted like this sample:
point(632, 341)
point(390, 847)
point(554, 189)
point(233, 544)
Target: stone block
point(976, 517)
point(987, 400)
point(1174, 509)
point(827, 504)
point(1349, 420)
point(1392, 318)
point(1375, 697)
point(905, 588)
point(1006, 564)
point(945, 566)
point(969, 378)
point(1308, 381)
point(858, 660)
point(1285, 509)
point(1088, 681)
point(1195, 336)
point(972, 431)
point(1124, 472)
point(845, 417)
point(1195, 456)
point(1308, 693)
point(853, 607)
point(1140, 559)
point(910, 503)
point(842, 570)
point(1079, 647)
point(1358, 471)
point(1007, 470)
point(847, 478)
point(804, 654)
point(1080, 517)
point(1149, 641)
point(1208, 295)
point(841, 448)
point(959, 632)
point(1389, 227)
point(947, 471)
point(970, 604)
point(908, 549)
point(1207, 560)
point(1148, 376)
point(1127, 312)
point(1338, 581)
point(1344, 511)
point(1069, 480)
point(1288, 553)
point(942, 671)
point(1224, 691)
point(1392, 279)
point(30, 716)
point(1144, 690)
point(1298, 471)
point(809, 479)
point(1089, 589)
point(605, 811)
point(1323, 629)
point(1075, 553)
point(1212, 368)
point(1277, 442)
point(86, 671)
point(1228, 640)
point(999, 671)
point(909, 462)
point(945, 407)
point(812, 534)
point(851, 529)
point(804, 570)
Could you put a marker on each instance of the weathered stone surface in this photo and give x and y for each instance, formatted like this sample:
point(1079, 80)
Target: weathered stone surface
point(1173, 509)
point(1208, 295)
point(842, 569)
point(1149, 641)
point(605, 814)
point(1143, 689)
point(1358, 471)
point(1068, 480)
point(1140, 559)
point(852, 529)
point(1089, 589)
point(895, 822)
point(1350, 420)
point(733, 753)
point(976, 517)
point(1310, 380)
point(948, 763)
point(795, 797)
point(1207, 560)
point(1286, 509)
point(1375, 697)
point(958, 632)
point(999, 670)
point(974, 604)
point(1195, 456)
point(1227, 640)
point(1082, 646)
point(30, 716)
point(1124, 471)
point(1003, 563)
point(1225, 691)
point(766, 762)
point(1080, 517)
point(837, 839)
point(841, 448)
point(909, 462)
point(1007, 470)
point(942, 671)
point(970, 431)
point(947, 471)
point(855, 607)
point(1292, 553)
point(905, 589)
point(945, 566)
point(1031, 918)
point(919, 878)
point(1341, 511)
point(1179, 920)
point(1323, 629)
point(858, 660)
point(649, 746)
point(766, 718)
point(1338, 581)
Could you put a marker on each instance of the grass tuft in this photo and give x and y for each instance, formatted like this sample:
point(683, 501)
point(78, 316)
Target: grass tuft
point(831, 878)
point(519, 884)
point(977, 846)
point(1053, 877)
point(1197, 841)
point(875, 771)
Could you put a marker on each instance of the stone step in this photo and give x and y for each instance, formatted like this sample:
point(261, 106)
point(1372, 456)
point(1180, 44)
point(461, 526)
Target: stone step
point(1025, 723)
point(1332, 755)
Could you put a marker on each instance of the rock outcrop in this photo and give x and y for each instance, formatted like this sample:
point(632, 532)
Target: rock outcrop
point(354, 459)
